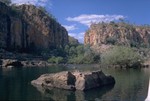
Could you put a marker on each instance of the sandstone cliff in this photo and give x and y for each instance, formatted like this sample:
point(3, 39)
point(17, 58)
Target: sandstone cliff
point(26, 27)
point(119, 33)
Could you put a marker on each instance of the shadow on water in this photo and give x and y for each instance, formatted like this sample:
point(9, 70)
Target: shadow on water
point(65, 95)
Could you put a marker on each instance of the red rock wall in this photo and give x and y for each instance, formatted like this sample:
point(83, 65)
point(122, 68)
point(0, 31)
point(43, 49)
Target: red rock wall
point(117, 34)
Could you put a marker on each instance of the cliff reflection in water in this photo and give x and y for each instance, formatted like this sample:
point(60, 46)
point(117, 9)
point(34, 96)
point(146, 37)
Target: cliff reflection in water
point(65, 95)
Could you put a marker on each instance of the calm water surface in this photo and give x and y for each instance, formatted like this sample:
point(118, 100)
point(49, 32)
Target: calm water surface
point(131, 85)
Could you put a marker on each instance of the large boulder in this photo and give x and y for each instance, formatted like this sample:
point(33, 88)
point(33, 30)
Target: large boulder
point(64, 80)
point(74, 80)
point(88, 80)
point(11, 63)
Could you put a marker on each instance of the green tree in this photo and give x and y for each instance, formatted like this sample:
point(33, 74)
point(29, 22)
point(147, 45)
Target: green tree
point(89, 56)
point(67, 49)
point(120, 55)
point(73, 54)
point(111, 40)
point(56, 60)
point(72, 51)
point(80, 49)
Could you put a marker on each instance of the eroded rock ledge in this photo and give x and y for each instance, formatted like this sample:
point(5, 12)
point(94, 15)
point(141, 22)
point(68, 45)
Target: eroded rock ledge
point(74, 80)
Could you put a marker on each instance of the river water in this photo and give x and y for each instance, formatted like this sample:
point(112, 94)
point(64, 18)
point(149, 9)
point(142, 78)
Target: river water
point(131, 85)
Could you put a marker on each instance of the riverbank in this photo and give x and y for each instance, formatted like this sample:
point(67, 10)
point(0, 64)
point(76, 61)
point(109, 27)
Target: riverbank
point(30, 60)
point(15, 59)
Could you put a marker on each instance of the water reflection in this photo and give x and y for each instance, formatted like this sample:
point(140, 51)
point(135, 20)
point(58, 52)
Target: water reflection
point(131, 85)
point(65, 95)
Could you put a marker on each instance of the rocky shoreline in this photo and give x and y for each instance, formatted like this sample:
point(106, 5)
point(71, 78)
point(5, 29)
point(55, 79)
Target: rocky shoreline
point(12, 59)
point(13, 63)
point(15, 60)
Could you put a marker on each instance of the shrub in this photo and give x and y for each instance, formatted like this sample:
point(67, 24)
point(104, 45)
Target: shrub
point(56, 60)
point(79, 54)
point(111, 40)
point(120, 55)
point(43, 9)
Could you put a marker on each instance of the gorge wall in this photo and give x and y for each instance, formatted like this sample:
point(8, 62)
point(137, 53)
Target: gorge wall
point(120, 33)
point(26, 27)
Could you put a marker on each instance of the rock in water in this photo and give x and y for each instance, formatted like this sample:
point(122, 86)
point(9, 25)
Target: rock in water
point(11, 63)
point(74, 80)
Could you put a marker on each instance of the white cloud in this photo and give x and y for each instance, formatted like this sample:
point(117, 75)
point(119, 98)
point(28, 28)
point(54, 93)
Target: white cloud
point(70, 28)
point(93, 18)
point(33, 2)
point(79, 36)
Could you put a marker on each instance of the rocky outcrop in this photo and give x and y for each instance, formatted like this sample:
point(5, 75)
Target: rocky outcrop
point(117, 34)
point(26, 27)
point(35, 63)
point(9, 63)
point(74, 80)
point(73, 41)
point(14, 63)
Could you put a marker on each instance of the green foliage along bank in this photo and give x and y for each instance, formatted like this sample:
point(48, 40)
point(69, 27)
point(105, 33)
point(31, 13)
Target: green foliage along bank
point(79, 54)
point(82, 55)
point(73, 54)
point(56, 60)
point(122, 56)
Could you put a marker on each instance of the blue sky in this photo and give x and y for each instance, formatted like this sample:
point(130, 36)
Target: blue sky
point(77, 15)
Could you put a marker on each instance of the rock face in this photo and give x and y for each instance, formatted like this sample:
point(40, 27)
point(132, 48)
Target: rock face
point(26, 27)
point(74, 80)
point(11, 63)
point(117, 34)
point(73, 41)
